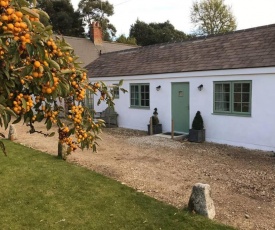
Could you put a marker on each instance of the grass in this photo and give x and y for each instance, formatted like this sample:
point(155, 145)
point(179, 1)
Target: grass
point(39, 191)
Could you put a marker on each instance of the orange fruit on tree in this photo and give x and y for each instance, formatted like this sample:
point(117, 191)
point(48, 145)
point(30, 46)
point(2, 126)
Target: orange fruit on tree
point(36, 64)
point(4, 17)
point(19, 14)
point(49, 90)
point(10, 10)
point(10, 26)
point(3, 3)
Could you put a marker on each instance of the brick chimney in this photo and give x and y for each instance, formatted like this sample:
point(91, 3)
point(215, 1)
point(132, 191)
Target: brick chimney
point(96, 33)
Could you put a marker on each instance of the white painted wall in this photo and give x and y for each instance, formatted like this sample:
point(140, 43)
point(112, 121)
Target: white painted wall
point(256, 132)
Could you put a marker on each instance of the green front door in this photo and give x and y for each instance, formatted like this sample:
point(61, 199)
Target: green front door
point(180, 106)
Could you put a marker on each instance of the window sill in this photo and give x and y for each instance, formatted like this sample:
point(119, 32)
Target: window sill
point(137, 107)
point(232, 114)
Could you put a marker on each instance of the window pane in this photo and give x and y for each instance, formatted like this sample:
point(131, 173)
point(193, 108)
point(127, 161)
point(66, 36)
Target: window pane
point(246, 87)
point(219, 97)
point(226, 97)
point(142, 89)
point(245, 97)
point(218, 88)
point(226, 87)
point(245, 107)
point(134, 95)
point(237, 97)
point(115, 91)
point(222, 106)
point(238, 87)
point(237, 107)
point(144, 95)
point(222, 97)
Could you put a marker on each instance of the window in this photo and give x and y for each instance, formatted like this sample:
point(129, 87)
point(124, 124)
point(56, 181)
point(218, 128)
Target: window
point(140, 95)
point(88, 101)
point(232, 97)
point(115, 91)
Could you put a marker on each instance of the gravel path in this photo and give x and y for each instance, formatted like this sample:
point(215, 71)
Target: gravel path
point(242, 181)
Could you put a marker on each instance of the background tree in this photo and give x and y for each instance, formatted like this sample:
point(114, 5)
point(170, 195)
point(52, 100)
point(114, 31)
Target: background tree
point(126, 40)
point(37, 71)
point(64, 19)
point(153, 33)
point(98, 11)
point(212, 17)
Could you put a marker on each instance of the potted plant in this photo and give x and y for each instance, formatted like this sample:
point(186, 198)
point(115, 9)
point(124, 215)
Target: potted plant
point(156, 126)
point(197, 133)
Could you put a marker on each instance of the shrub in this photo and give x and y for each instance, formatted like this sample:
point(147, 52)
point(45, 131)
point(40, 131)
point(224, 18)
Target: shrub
point(197, 123)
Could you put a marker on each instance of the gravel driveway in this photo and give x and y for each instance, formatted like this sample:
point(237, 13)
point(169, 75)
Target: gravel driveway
point(242, 181)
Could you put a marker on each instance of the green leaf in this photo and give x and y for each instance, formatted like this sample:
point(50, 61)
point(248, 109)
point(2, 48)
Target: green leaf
point(65, 71)
point(5, 119)
point(10, 112)
point(51, 134)
point(44, 14)
point(26, 71)
point(23, 3)
point(65, 48)
point(63, 88)
point(30, 49)
point(7, 88)
point(2, 99)
point(49, 27)
point(39, 116)
point(41, 51)
point(6, 35)
point(27, 117)
point(15, 57)
point(30, 12)
point(49, 124)
point(24, 103)
point(54, 94)
point(10, 84)
point(123, 90)
point(54, 64)
point(28, 22)
point(37, 24)
point(17, 120)
point(59, 123)
point(6, 73)
point(120, 83)
point(72, 131)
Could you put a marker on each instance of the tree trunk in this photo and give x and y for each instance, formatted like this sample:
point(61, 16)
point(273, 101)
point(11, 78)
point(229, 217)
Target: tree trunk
point(62, 151)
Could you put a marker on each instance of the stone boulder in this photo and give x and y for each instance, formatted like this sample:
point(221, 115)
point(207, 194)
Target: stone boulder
point(201, 202)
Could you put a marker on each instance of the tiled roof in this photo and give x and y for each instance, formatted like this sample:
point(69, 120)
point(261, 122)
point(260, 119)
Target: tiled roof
point(240, 49)
point(88, 51)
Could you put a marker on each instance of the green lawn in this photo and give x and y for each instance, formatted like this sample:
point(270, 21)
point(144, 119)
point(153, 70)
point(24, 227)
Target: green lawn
point(39, 191)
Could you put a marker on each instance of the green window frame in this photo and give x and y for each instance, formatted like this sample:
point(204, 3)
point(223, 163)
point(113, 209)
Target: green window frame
point(232, 97)
point(140, 95)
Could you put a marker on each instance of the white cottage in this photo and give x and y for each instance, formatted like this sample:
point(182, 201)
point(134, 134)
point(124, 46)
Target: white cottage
point(230, 78)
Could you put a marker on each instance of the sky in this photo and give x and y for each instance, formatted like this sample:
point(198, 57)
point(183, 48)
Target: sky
point(248, 13)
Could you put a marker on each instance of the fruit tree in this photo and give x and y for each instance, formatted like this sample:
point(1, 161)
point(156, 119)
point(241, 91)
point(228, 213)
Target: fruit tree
point(38, 72)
